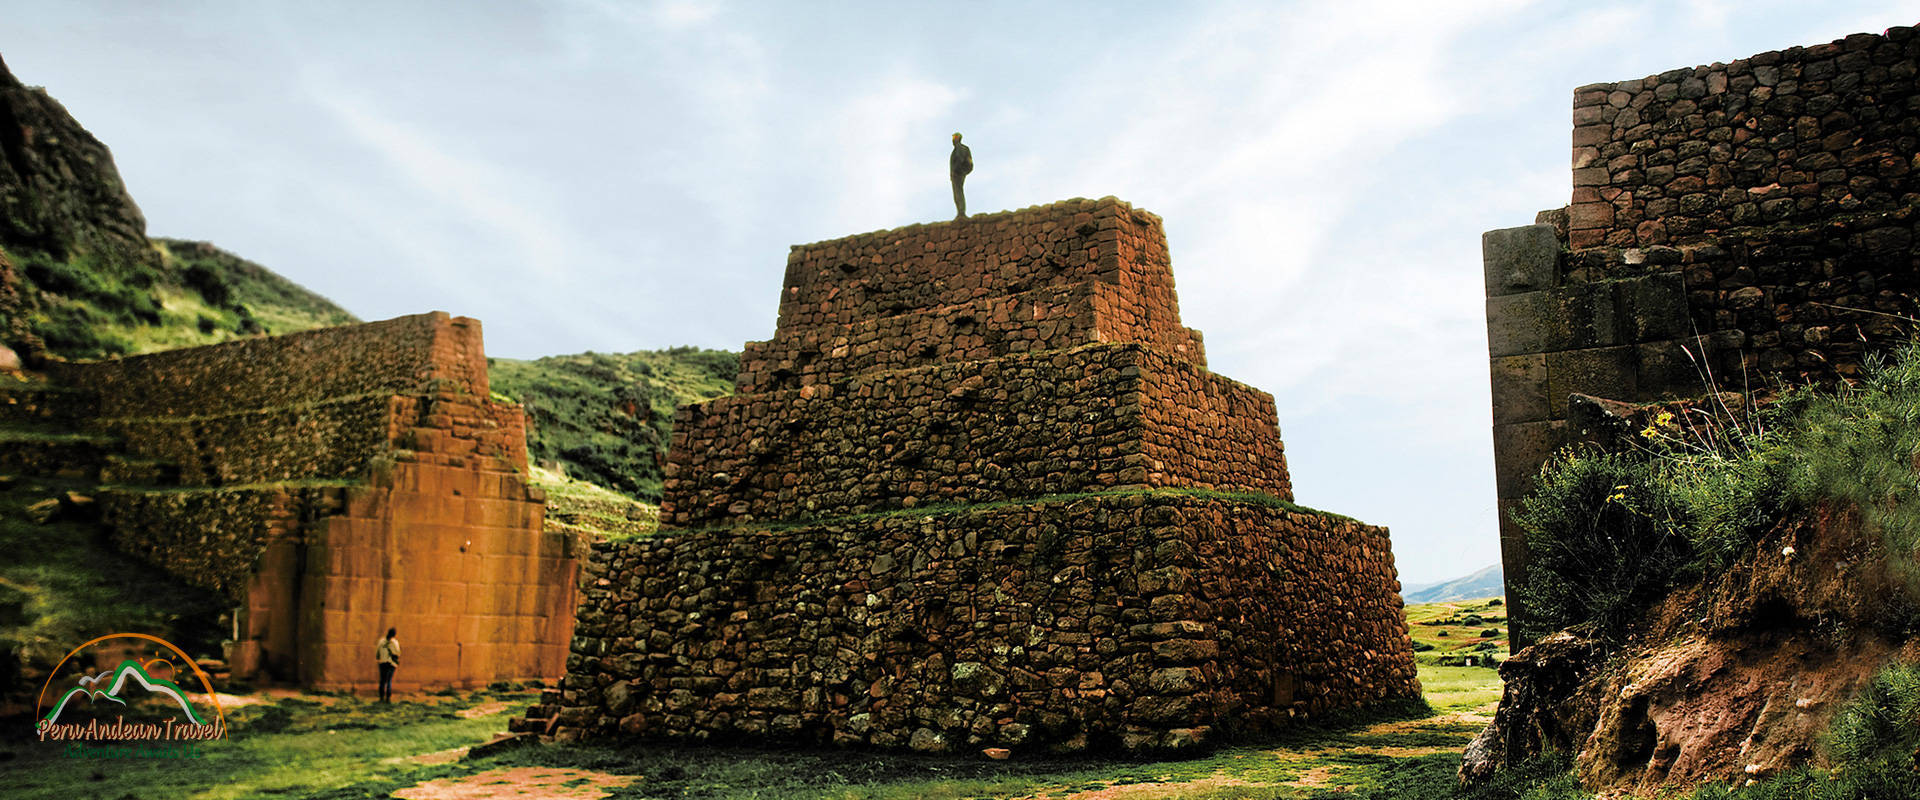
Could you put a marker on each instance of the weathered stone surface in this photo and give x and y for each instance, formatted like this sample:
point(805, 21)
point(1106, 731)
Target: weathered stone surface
point(1544, 705)
point(1013, 394)
point(1024, 425)
point(1523, 259)
point(59, 190)
point(1520, 389)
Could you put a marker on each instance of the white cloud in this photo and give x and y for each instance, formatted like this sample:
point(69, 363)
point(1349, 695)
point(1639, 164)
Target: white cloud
point(491, 196)
point(876, 146)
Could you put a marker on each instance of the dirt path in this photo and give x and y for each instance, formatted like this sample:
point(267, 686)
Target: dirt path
point(519, 783)
point(1305, 768)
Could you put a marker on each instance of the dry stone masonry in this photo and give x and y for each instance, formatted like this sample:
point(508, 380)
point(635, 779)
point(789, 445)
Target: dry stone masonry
point(1732, 227)
point(335, 483)
point(980, 490)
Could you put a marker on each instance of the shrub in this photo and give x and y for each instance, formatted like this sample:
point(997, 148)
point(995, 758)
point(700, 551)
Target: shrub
point(209, 283)
point(1859, 445)
point(1883, 722)
point(1604, 539)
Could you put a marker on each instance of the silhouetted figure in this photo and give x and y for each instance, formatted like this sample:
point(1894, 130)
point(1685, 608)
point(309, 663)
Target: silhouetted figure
point(387, 655)
point(958, 165)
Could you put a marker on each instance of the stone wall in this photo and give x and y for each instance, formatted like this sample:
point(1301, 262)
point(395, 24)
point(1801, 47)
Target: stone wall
point(1043, 278)
point(1134, 619)
point(335, 483)
point(1790, 136)
point(970, 496)
point(1018, 426)
point(1733, 227)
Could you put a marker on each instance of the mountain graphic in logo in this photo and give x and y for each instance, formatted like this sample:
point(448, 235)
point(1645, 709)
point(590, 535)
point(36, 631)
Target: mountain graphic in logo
point(112, 684)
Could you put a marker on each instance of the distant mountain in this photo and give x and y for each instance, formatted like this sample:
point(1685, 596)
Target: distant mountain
point(78, 276)
point(607, 417)
point(1488, 582)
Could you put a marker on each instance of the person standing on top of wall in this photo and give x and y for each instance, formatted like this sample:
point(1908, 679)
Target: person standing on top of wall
point(387, 656)
point(958, 166)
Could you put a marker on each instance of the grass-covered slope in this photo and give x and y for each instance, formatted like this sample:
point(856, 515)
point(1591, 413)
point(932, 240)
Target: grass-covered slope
point(1711, 539)
point(607, 418)
point(89, 305)
point(587, 508)
point(62, 584)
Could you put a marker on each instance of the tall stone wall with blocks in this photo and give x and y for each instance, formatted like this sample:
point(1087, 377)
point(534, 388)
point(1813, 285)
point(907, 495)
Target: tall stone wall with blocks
point(1732, 227)
point(979, 490)
point(336, 483)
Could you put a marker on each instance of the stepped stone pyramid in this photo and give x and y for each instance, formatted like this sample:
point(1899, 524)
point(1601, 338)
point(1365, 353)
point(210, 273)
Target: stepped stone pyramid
point(980, 490)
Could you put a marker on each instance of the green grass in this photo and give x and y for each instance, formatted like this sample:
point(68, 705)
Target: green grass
point(337, 746)
point(594, 509)
point(1610, 532)
point(278, 305)
point(1445, 632)
point(294, 748)
point(181, 295)
point(933, 509)
point(607, 418)
point(62, 584)
point(1455, 688)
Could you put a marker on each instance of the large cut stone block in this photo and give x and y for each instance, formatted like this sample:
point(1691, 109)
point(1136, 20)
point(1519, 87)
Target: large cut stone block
point(1523, 259)
point(1519, 389)
point(1567, 318)
point(1610, 372)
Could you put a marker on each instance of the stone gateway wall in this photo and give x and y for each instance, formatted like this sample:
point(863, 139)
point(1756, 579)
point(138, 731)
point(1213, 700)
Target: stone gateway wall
point(979, 490)
point(1732, 227)
point(336, 483)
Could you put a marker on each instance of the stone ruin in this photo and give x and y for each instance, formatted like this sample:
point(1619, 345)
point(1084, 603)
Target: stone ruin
point(980, 490)
point(1732, 227)
point(332, 483)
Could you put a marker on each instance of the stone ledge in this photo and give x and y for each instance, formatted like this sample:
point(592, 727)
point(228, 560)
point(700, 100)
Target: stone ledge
point(1020, 426)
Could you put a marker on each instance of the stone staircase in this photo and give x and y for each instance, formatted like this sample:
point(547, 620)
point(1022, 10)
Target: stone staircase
point(540, 717)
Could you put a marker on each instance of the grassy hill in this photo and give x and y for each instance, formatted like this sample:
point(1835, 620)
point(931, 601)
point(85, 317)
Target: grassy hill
point(86, 305)
point(607, 418)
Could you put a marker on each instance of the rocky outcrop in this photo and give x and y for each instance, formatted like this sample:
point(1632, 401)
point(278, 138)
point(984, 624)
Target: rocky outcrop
point(59, 191)
point(86, 282)
point(1548, 705)
point(16, 336)
point(1735, 676)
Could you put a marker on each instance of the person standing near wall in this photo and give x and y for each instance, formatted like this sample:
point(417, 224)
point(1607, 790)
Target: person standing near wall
point(959, 165)
point(387, 656)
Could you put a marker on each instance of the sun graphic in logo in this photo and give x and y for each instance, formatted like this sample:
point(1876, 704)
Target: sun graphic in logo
point(150, 680)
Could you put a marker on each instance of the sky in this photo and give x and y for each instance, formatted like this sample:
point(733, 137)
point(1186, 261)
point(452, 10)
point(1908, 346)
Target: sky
point(618, 176)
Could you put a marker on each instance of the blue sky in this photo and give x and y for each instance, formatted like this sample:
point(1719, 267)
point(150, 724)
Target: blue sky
point(597, 175)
